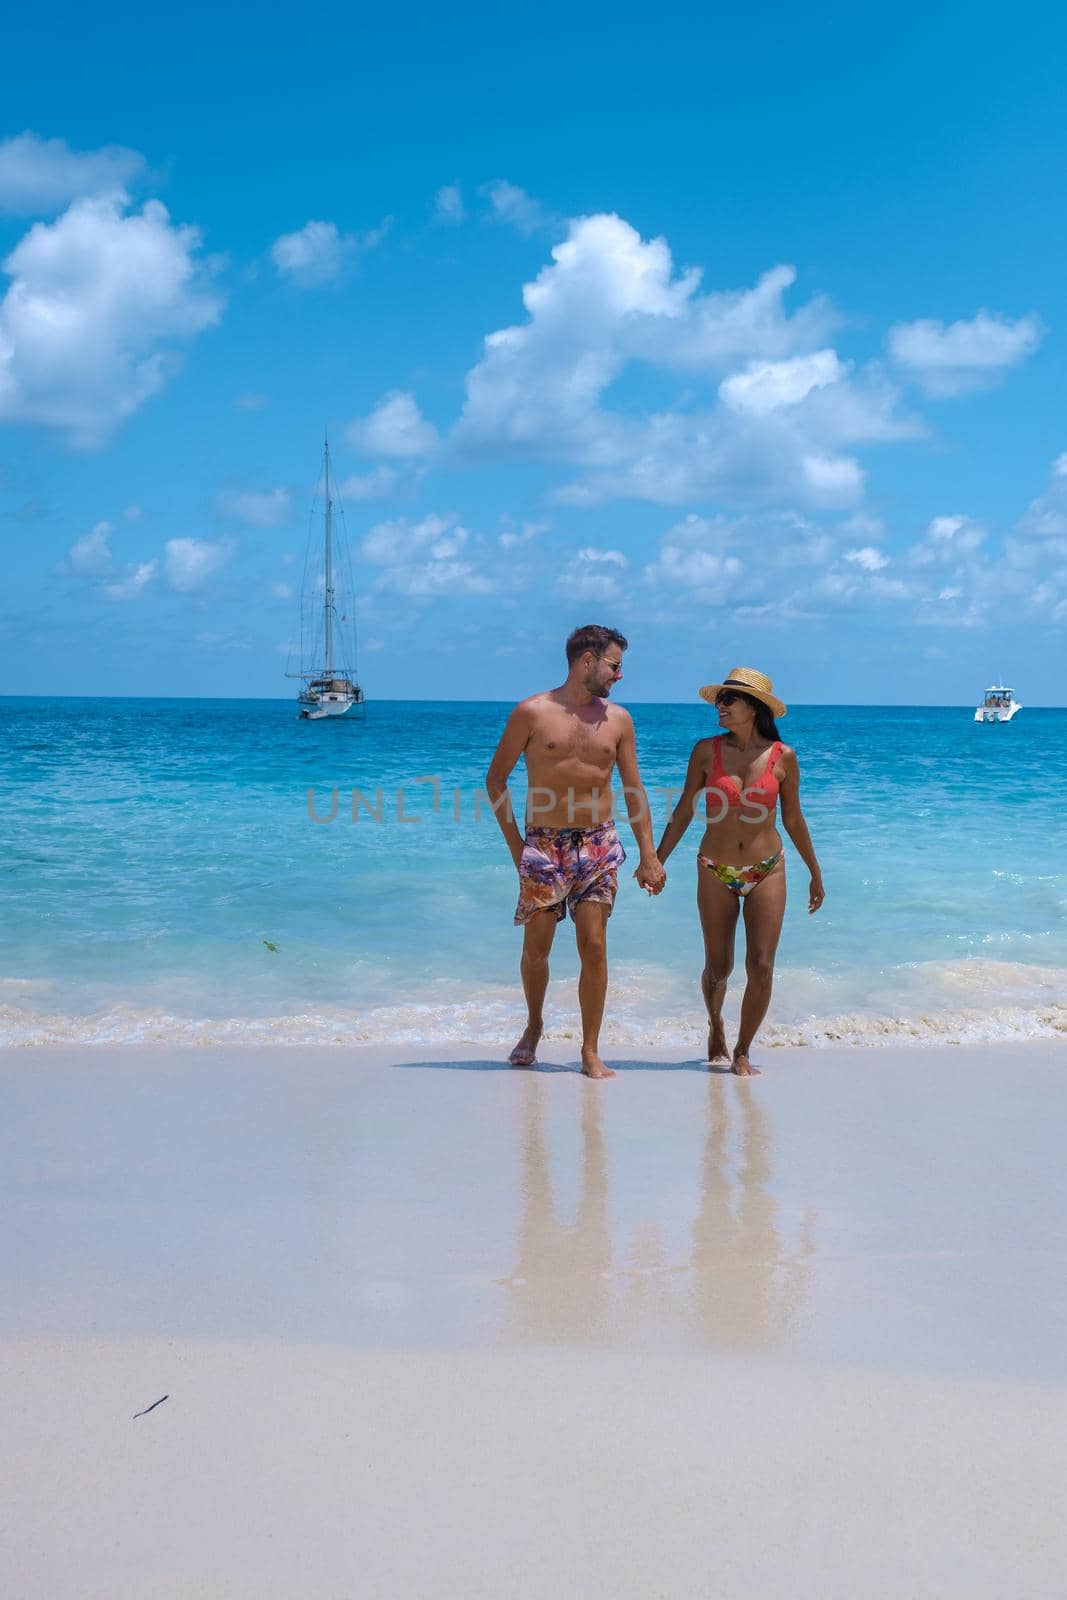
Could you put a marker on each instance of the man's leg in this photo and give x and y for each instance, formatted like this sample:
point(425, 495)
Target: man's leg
point(591, 928)
point(537, 938)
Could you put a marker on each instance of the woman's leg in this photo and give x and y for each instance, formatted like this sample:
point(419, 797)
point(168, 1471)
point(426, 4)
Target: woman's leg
point(719, 908)
point(764, 910)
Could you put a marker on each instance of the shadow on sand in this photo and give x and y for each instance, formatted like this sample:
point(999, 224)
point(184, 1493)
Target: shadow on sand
point(574, 1067)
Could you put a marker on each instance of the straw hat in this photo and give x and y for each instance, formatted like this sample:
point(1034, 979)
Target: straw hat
point(748, 681)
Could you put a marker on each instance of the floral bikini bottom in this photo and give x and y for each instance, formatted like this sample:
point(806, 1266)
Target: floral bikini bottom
point(742, 880)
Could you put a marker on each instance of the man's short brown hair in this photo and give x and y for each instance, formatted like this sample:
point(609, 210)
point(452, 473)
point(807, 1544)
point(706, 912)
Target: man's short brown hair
point(592, 637)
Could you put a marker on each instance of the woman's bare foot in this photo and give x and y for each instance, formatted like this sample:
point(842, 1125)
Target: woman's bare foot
point(743, 1066)
point(718, 1049)
point(525, 1052)
point(592, 1065)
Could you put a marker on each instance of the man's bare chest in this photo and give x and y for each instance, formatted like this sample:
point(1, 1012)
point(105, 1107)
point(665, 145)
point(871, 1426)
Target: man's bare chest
point(569, 740)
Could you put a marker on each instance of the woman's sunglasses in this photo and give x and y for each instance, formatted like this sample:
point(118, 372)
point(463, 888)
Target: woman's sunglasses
point(726, 698)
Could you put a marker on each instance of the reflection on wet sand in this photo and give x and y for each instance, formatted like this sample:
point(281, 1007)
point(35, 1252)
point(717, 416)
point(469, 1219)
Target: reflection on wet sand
point(735, 1283)
point(559, 1292)
point(746, 1289)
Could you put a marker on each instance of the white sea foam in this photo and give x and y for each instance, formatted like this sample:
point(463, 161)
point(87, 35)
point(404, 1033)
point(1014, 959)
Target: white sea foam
point(961, 1002)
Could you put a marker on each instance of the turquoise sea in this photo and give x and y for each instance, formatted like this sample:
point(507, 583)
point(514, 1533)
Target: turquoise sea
point(163, 879)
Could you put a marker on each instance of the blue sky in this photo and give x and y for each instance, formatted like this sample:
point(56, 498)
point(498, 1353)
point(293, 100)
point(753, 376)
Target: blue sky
point(776, 321)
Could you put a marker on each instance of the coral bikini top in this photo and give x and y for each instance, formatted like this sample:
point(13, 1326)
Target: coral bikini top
point(763, 791)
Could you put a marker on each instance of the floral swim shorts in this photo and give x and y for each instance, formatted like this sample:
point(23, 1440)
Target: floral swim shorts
point(563, 868)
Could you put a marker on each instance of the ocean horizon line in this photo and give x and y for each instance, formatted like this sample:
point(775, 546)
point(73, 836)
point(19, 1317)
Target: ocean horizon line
point(471, 700)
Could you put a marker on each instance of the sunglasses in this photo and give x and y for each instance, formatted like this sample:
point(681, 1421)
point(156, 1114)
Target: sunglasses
point(726, 698)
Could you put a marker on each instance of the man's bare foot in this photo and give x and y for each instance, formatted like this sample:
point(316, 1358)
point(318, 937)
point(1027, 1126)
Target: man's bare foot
point(743, 1066)
point(592, 1065)
point(525, 1052)
point(718, 1049)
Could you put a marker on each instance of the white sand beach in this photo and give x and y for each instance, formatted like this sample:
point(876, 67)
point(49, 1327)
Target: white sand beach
point(430, 1327)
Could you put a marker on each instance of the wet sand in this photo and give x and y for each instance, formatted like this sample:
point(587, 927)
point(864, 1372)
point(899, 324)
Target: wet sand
point(431, 1327)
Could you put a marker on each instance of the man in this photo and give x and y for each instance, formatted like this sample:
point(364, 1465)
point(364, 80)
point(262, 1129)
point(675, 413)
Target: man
point(572, 740)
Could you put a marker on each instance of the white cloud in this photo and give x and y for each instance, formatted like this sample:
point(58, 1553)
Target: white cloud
point(947, 539)
point(610, 299)
point(261, 508)
point(778, 564)
point(1035, 553)
point(863, 525)
point(611, 558)
point(698, 571)
point(787, 565)
point(766, 386)
point(448, 204)
point(281, 591)
point(388, 542)
point(512, 538)
point(133, 584)
point(833, 480)
point(436, 578)
point(251, 402)
point(314, 254)
point(189, 562)
point(870, 559)
point(422, 559)
point(1046, 517)
point(589, 576)
point(92, 552)
point(396, 427)
point(362, 486)
point(514, 206)
point(948, 360)
point(319, 252)
point(41, 176)
point(97, 301)
point(695, 558)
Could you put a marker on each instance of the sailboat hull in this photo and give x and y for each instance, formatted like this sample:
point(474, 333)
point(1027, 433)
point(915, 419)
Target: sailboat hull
point(330, 708)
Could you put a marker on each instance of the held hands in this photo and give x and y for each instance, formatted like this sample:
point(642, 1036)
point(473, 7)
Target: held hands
point(651, 876)
point(816, 893)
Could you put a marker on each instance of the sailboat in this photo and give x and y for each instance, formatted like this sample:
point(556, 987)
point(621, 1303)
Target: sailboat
point(332, 688)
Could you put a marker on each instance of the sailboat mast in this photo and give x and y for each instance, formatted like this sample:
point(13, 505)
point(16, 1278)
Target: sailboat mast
point(328, 585)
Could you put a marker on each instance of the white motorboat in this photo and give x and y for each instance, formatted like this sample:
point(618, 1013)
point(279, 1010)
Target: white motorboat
point(999, 705)
point(328, 628)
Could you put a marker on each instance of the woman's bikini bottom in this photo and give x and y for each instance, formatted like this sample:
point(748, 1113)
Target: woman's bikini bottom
point(742, 880)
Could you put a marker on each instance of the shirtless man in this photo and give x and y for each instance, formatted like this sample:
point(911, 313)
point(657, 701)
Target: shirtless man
point(572, 740)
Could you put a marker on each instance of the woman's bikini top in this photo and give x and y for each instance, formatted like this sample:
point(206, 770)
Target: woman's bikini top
point(763, 791)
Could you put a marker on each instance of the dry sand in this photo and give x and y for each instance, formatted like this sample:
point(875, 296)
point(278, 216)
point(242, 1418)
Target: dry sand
point(438, 1329)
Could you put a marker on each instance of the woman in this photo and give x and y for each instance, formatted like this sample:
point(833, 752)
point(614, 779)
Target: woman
point(742, 772)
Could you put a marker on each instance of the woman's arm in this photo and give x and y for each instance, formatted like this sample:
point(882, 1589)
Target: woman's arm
point(795, 826)
point(685, 810)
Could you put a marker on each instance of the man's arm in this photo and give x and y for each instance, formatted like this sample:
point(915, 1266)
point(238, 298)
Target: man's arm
point(513, 742)
point(650, 874)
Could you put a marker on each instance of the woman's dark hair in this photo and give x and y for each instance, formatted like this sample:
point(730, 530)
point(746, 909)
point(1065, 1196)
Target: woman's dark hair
point(766, 726)
point(592, 637)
